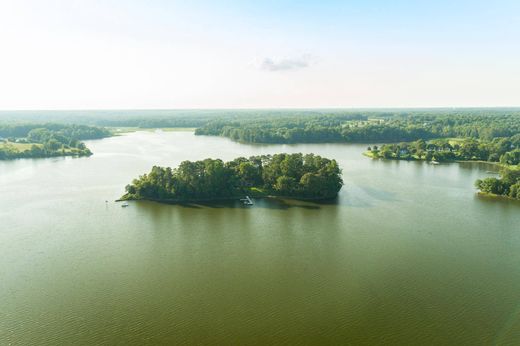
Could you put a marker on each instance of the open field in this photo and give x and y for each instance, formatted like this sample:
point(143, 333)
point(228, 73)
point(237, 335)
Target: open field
point(19, 146)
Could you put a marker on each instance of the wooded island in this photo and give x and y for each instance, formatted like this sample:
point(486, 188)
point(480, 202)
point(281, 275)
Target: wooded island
point(284, 175)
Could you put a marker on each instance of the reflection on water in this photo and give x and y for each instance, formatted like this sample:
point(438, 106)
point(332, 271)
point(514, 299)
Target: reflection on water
point(268, 203)
point(489, 168)
point(407, 254)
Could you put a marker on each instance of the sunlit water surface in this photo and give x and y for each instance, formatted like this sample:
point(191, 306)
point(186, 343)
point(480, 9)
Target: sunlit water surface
point(407, 254)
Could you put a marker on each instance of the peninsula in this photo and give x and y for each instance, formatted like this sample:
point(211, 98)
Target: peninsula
point(33, 140)
point(508, 185)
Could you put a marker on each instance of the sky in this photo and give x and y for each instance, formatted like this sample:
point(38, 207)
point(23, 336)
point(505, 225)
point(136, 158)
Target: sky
point(114, 54)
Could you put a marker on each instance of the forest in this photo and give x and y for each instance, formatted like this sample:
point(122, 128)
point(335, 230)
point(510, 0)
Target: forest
point(366, 127)
point(288, 175)
point(46, 140)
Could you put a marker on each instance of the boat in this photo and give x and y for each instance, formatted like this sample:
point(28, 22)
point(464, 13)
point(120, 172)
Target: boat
point(124, 205)
point(435, 162)
point(247, 201)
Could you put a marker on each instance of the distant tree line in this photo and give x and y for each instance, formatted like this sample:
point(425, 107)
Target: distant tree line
point(321, 126)
point(303, 126)
point(291, 175)
point(365, 128)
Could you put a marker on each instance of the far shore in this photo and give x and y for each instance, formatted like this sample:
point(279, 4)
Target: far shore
point(119, 130)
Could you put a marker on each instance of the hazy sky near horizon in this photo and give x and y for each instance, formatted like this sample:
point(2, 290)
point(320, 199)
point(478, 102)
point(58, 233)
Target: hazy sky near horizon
point(73, 54)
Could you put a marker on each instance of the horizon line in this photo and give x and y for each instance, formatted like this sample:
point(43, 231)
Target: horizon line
point(258, 108)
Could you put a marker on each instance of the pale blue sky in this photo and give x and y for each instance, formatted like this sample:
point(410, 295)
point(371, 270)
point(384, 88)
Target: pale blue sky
point(74, 54)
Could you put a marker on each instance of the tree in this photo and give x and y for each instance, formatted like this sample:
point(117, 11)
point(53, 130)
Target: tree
point(249, 174)
point(285, 185)
point(490, 185)
point(514, 191)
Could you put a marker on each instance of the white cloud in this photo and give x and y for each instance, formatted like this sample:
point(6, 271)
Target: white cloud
point(285, 64)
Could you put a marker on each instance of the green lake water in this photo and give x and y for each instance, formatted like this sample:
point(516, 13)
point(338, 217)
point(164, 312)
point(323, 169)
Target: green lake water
point(407, 255)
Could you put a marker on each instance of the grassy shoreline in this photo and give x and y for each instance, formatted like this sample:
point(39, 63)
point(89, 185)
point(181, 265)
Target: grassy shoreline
point(19, 146)
point(24, 151)
point(495, 196)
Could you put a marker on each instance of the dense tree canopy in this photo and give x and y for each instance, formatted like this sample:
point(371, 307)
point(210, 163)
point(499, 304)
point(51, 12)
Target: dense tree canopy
point(290, 175)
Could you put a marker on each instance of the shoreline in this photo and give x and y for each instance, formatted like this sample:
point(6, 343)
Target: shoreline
point(122, 130)
point(495, 196)
point(222, 199)
point(73, 155)
point(498, 164)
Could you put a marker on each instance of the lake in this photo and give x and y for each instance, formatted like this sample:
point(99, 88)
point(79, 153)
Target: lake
point(407, 254)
